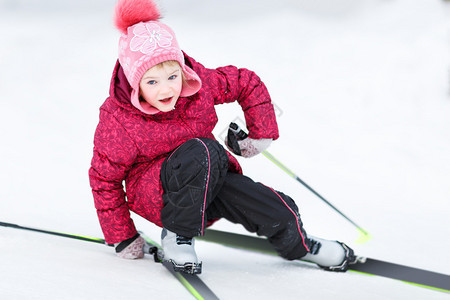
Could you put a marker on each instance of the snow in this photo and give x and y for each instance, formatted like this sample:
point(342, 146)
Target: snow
point(364, 92)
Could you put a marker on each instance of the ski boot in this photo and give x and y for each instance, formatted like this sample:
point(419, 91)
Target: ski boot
point(330, 255)
point(179, 251)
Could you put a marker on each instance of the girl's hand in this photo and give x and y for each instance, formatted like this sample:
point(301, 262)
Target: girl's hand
point(131, 248)
point(239, 143)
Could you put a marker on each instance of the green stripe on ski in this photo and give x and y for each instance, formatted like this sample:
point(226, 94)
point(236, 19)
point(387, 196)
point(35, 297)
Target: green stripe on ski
point(426, 286)
point(149, 240)
point(361, 272)
point(179, 276)
point(202, 292)
point(189, 286)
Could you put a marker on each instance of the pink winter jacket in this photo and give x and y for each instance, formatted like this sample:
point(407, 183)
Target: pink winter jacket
point(130, 146)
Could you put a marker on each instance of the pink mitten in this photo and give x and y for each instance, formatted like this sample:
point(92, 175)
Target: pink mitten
point(250, 147)
point(131, 248)
point(239, 143)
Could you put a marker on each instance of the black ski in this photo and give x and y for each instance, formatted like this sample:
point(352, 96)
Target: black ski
point(191, 282)
point(415, 276)
point(420, 277)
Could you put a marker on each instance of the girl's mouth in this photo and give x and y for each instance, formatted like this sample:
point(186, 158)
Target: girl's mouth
point(165, 100)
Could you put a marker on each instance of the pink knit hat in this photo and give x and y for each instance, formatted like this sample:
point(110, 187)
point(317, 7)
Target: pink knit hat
point(146, 42)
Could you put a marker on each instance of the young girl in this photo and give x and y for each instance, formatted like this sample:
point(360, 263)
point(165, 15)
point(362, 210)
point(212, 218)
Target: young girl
point(155, 134)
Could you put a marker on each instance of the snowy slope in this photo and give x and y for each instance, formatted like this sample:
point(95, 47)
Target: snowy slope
point(363, 89)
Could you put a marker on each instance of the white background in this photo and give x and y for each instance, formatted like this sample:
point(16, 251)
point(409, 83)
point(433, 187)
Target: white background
point(363, 86)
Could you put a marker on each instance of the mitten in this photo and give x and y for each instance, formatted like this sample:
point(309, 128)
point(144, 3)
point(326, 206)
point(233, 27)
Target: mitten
point(131, 248)
point(239, 143)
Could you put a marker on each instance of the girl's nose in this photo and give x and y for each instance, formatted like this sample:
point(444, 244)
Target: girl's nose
point(165, 89)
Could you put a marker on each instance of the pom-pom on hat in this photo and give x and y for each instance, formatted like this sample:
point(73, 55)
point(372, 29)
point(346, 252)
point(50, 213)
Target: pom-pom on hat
point(146, 42)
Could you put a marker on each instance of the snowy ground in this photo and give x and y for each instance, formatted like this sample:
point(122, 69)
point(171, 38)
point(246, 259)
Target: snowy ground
point(363, 86)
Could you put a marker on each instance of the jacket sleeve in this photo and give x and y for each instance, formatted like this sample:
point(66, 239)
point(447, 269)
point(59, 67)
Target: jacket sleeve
point(114, 153)
point(229, 84)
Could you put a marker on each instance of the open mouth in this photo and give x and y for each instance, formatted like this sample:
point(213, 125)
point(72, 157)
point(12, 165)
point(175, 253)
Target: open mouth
point(165, 100)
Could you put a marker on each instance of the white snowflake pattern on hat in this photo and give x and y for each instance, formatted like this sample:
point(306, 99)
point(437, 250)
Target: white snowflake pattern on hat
point(147, 36)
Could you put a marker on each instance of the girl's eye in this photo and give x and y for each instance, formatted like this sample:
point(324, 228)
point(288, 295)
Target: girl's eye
point(152, 82)
point(172, 77)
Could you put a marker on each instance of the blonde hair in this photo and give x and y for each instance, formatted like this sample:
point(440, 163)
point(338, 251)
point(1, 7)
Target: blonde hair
point(172, 63)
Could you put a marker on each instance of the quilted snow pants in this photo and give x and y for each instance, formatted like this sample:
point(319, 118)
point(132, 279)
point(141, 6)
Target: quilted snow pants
point(198, 187)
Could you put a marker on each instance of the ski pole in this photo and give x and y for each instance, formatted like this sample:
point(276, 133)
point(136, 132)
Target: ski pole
point(365, 235)
point(148, 249)
point(235, 133)
point(67, 235)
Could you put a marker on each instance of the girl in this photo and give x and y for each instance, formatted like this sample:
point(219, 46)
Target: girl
point(155, 134)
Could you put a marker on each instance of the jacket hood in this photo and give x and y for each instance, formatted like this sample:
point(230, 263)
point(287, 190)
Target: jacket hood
point(120, 89)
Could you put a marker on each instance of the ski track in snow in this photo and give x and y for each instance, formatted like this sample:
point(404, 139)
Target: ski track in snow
point(364, 91)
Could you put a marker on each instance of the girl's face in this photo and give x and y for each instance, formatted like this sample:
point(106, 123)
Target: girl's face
point(161, 86)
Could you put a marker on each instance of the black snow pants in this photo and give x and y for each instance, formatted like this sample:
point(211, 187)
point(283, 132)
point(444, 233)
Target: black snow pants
point(198, 187)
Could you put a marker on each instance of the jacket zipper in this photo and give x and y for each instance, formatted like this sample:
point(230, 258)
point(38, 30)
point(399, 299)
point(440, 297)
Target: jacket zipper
point(183, 122)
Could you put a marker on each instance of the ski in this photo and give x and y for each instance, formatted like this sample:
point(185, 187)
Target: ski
point(191, 282)
point(365, 265)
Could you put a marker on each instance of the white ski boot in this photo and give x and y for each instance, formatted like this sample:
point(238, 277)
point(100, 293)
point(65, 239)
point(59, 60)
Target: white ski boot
point(330, 255)
point(180, 252)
